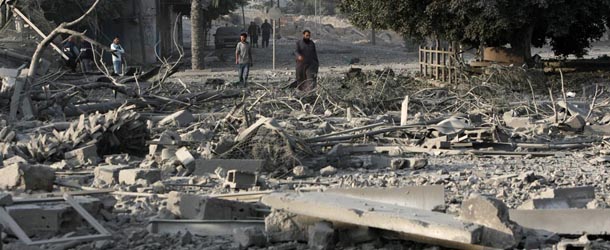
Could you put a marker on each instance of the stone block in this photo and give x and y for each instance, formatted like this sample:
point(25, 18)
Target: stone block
point(240, 180)
point(492, 214)
point(321, 236)
point(282, 226)
point(249, 236)
point(180, 119)
point(330, 170)
point(6, 199)
point(131, 176)
point(108, 174)
point(197, 207)
point(14, 160)
point(84, 156)
point(22, 176)
point(185, 157)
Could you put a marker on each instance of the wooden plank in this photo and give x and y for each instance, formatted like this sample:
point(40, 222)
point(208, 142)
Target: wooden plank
point(9, 222)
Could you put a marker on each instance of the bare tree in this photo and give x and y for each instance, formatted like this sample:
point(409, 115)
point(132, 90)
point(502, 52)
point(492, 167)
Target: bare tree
point(63, 28)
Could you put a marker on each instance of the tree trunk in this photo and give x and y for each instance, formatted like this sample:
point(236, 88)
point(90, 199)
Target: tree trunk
point(197, 35)
point(522, 44)
point(373, 36)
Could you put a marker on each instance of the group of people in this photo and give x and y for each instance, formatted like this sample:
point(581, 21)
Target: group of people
point(254, 31)
point(82, 53)
point(307, 62)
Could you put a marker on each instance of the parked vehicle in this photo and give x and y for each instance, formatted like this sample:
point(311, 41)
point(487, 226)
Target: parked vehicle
point(227, 37)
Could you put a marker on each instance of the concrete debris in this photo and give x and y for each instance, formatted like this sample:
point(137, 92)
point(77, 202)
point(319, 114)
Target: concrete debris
point(180, 119)
point(562, 198)
point(377, 156)
point(240, 180)
point(196, 207)
point(27, 177)
point(108, 175)
point(131, 176)
point(436, 227)
point(203, 166)
point(581, 243)
point(329, 170)
point(321, 236)
point(85, 156)
point(250, 236)
point(492, 214)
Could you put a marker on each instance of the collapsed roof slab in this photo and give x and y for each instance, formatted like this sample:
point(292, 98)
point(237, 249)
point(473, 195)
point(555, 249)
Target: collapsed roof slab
point(564, 221)
point(415, 224)
point(421, 197)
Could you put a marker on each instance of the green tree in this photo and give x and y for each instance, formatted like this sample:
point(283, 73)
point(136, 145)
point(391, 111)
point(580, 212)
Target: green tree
point(568, 26)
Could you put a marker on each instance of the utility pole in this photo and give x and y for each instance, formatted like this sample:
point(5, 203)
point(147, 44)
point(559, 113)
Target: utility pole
point(373, 36)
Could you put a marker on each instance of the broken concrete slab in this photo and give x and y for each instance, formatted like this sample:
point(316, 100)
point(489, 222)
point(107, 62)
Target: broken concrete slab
point(421, 197)
point(562, 198)
point(131, 176)
point(108, 175)
point(205, 166)
point(321, 236)
point(197, 207)
point(250, 236)
point(564, 221)
point(281, 226)
point(498, 231)
point(423, 225)
point(201, 227)
point(180, 119)
point(84, 156)
point(22, 176)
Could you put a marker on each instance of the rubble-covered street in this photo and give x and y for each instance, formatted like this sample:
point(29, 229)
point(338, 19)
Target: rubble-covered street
point(392, 148)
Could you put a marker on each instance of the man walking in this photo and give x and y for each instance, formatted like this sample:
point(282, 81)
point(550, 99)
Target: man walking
point(117, 55)
point(266, 29)
point(307, 63)
point(243, 59)
point(253, 31)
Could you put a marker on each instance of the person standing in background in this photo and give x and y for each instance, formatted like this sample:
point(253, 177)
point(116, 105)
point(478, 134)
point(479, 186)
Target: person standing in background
point(266, 29)
point(243, 59)
point(86, 56)
point(253, 32)
point(117, 56)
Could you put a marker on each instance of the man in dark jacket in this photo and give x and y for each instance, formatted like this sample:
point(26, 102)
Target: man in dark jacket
point(266, 29)
point(72, 51)
point(253, 32)
point(307, 63)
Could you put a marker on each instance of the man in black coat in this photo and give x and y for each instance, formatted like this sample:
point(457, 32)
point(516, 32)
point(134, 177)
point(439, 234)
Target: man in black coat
point(266, 29)
point(307, 63)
